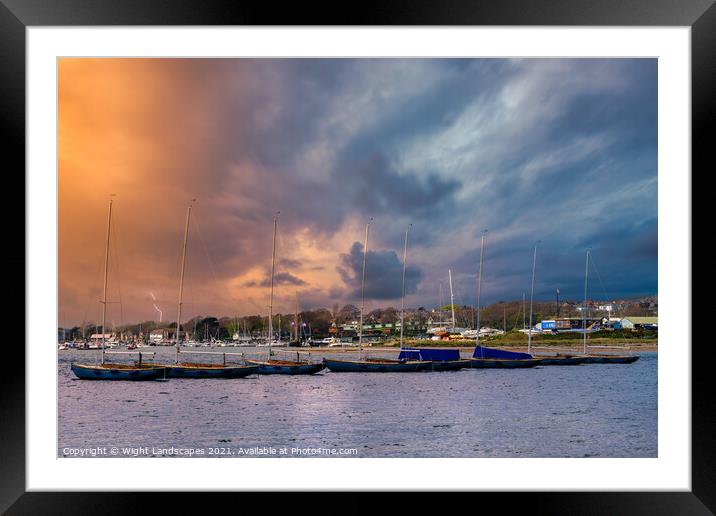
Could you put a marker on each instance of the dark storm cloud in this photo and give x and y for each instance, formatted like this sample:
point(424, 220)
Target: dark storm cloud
point(558, 150)
point(376, 187)
point(384, 272)
point(280, 278)
point(580, 174)
point(289, 263)
point(281, 116)
point(580, 126)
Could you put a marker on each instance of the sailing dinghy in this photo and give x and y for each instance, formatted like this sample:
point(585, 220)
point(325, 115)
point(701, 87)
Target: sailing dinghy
point(611, 359)
point(484, 358)
point(599, 358)
point(103, 370)
point(271, 365)
point(198, 369)
point(117, 372)
point(374, 365)
point(559, 358)
point(491, 358)
point(437, 359)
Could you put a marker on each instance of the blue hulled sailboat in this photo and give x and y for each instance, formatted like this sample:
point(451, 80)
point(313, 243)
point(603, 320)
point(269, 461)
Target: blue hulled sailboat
point(490, 358)
point(103, 370)
point(376, 365)
point(558, 359)
point(598, 359)
point(271, 365)
point(438, 359)
point(435, 359)
point(196, 370)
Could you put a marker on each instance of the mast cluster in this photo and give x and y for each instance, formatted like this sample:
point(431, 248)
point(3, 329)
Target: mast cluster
point(363, 280)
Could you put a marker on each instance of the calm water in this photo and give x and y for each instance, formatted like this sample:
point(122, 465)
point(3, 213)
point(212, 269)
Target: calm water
point(579, 411)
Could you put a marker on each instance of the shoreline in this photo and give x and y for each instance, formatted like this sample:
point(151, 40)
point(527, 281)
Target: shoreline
point(608, 345)
point(573, 345)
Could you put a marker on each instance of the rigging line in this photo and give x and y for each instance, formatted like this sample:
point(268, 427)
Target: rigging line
point(517, 318)
point(83, 325)
point(458, 312)
point(116, 269)
point(199, 232)
point(599, 277)
point(206, 249)
point(88, 308)
point(280, 243)
point(279, 248)
point(460, 299)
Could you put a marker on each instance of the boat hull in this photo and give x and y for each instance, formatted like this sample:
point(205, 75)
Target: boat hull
point(113, 372)
point(500, 363)
point(345, 366)
point(448, 365)
point(559, 361)
point(198, 371)
point(614, 359)
point(286, 368)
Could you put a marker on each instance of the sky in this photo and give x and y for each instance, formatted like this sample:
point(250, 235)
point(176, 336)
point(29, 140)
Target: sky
point(560, 151)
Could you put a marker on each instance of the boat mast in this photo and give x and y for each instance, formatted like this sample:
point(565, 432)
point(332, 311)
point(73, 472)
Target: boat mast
point(402, 298)
point(273, 266)
point(479, 287)
point(106, 268)
point(181, 275)
point(532, 292)
point(362, 290)
point(452, 301)
point(524, 312)
point(441, 315)
point(584, 307)
point(298, 336)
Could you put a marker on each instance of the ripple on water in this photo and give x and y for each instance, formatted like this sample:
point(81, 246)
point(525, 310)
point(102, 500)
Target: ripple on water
point(586, 411)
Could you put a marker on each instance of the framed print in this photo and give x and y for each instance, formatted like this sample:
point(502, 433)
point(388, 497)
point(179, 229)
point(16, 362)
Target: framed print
point(423, 252)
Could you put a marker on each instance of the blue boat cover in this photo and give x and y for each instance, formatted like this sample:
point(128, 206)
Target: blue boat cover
point(483, 352)
point(429, 354)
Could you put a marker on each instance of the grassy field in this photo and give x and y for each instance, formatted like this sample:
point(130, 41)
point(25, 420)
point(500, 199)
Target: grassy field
point(642, 341)
point(644, 345)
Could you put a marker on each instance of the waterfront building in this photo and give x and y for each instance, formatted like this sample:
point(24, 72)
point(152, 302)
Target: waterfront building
point(162, 336)
point(638, 323)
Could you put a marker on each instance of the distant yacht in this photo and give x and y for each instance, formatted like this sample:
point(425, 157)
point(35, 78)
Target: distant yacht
point(444, 329)
point(484, 332)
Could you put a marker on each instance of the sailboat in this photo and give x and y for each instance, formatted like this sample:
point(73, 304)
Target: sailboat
point(440, 328)
point(195, 369)
point(453, 330)
point(484, 357)
point(599, 358)
point(611, 359)
point(103, 370)
point(372, 365)
point(559, 358)
point(297, 342)
point(272, 365)
point(438, 359)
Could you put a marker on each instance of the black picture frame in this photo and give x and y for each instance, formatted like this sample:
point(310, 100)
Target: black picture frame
point(17, 15)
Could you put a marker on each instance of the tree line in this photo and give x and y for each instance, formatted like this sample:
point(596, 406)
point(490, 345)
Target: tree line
point(507, 315)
